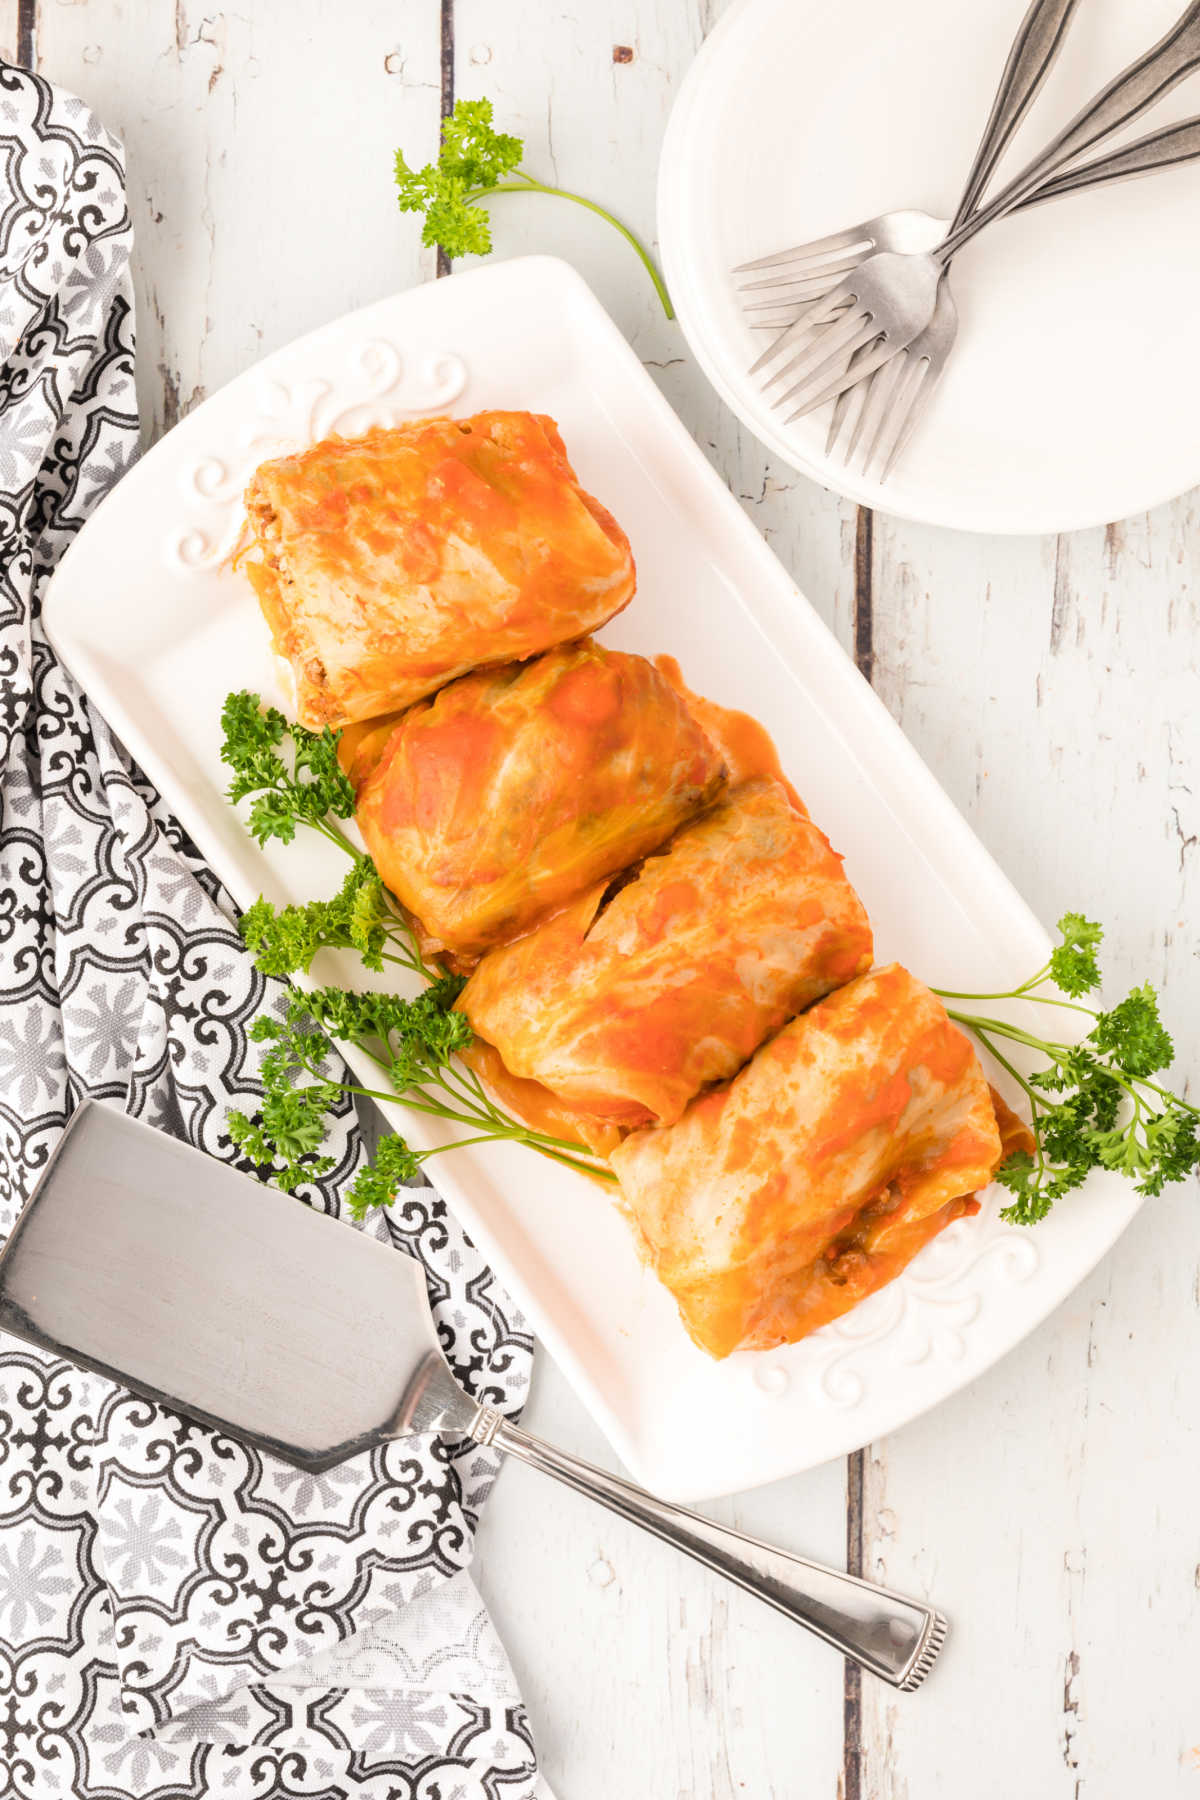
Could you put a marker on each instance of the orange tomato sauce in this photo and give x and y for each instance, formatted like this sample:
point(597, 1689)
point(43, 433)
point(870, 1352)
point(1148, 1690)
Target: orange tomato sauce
point(535, 1105)
point(746, 746)
point(361, 745)
point(1015, 1134)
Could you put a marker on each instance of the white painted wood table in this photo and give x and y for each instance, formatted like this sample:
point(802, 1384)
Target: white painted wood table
point(1053, 1508)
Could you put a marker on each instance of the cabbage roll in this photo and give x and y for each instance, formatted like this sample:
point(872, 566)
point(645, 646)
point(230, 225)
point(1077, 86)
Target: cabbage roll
point(778, 1201)
point(634, 997)
point(515, 788)
point(393, 562)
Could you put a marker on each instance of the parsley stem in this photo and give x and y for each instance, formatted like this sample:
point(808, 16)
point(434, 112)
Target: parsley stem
point(529, 185)
point(402, 962)
point(1021, 993)
point(478, 1088)
point(499, 1124)
point(484, 1137)
point(1166, 1094)
point(488, 1137)
point(334, 836)
point(956, 994)
point(1014, 1032)
point(988, 1045)
point(462, 1081)
point(598, 1169)
point(1057, 1051)
point(1052, 1000)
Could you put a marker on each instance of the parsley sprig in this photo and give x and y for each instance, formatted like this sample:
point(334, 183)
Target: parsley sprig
point(1094, 1105)
point(304, 791)
point(285, 939)
point(413, 1042)
point(472, 165)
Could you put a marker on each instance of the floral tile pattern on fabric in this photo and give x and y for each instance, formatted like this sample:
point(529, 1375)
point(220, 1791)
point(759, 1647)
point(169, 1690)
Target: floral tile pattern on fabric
point(181, 1616)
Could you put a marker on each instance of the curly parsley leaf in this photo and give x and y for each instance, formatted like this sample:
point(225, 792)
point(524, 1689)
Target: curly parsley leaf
point(453, 221)
point(472, 148)
point(1074, 965)
point(474, 160)
point(1134, 1034)
point(396, 1163)
point(414, 1042)
point(285, 1136)
point(1035, 1190)
point(285, 939)
point(1093, 1105)
point(472, 163)
point(301, 789)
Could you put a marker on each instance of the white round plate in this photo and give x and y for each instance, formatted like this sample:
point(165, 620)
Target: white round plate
point(1073, 394)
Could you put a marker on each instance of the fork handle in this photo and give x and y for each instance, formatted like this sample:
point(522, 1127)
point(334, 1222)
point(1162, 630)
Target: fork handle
point(1165, 149)
point(895, 1638)
point(1139, 86)
point(1035, 47)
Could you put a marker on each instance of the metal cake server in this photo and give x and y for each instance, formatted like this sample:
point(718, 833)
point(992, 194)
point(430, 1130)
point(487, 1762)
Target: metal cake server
point(149, 1262)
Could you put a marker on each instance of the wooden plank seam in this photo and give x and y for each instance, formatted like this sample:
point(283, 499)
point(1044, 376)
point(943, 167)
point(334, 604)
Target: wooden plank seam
point(852, 1735)
point(27, 33)
point(443, 261)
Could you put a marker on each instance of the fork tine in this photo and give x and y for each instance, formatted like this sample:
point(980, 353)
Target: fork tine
point(845, 411)
point(795, 294)
point(804, 343)
point(802, 324)
point(782, 320)
point(816, 395)
point(820, 271)
point(823, 319)
point(881, 450)
point(847, 408)
point(885, 386)
point(787, 315)
point(837, 240)
point(853, 334)
point(917, 399)
point(825, 339)
point(867, 406)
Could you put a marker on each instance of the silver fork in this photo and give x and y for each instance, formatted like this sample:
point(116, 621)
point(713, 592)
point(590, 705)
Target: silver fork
point(882, 412)
point(812, 269)
point(1035, 47)
point(882, 305)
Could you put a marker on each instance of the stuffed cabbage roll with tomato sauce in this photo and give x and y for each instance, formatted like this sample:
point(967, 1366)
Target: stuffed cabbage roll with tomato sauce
point(391, 563)
point(516, 788)
point(635, 996)
point(779, 1201)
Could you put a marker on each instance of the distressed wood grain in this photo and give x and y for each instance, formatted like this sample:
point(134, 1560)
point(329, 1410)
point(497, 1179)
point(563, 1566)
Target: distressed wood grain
point(1052, 687)
point(26, 30)
point(863, 628)
point(259, 147)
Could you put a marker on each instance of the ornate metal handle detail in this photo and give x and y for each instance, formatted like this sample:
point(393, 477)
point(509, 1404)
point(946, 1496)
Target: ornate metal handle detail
point(895, 1638)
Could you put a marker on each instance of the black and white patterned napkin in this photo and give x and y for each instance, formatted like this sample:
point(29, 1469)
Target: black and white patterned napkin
point(181, 1616)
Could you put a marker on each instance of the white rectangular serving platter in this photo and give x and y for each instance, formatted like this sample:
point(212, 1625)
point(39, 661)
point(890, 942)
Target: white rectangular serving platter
point(147, 614)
